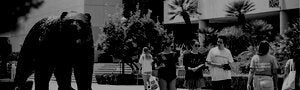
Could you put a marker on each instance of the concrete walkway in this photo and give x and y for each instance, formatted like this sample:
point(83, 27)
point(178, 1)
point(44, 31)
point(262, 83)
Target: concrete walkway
point(95, 86)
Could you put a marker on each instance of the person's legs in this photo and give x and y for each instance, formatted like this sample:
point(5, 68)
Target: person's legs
point(216, 85)
point(226, 84)
point(172, 84)
point(256, 85)
point(270, 85)
point(199, 84)
point(263, 83)
point(146, 81)
point(162, 84)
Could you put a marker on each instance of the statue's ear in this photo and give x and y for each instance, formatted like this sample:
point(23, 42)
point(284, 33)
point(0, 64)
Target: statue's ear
point(63, 15)
point(88, 16)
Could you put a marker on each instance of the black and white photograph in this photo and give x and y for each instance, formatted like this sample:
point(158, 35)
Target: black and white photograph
point(150, 45)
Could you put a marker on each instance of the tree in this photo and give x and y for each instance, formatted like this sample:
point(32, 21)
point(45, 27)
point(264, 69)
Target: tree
point(248, 40)
point(124, 40)
point(255, 31)
point(15, 10)
point(155, 6)
point(187, 8)
point(238, 8)
point(293, 34)
point(209, 36)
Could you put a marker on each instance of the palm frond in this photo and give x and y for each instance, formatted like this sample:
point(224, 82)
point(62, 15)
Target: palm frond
point(239, 7)
point(172, 7)
point(187, 1)
point(230, 8)
point(231, 15)
point(175, 2)
point(198, 13)
point(174, 14)
point(173, 17)
point(246, 11)
point(192, 6)
point(248, 5)
point(180, 2)
point(249, 8)
point(171, 13)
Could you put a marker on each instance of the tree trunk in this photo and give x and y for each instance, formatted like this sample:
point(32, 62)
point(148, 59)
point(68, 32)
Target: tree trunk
point(186, 17)
point(190, 34)
point(242, 21)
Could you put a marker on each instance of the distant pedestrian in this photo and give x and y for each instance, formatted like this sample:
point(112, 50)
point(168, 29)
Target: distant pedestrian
point(194, 65)
point(219, 59)
point(263, 69)
point(146, 64)
point(166, 65)
point(290, 77)
point(297, 66)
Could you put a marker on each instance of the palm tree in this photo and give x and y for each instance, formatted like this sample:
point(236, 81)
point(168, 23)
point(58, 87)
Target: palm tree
point(186, 8)
point(239, 8)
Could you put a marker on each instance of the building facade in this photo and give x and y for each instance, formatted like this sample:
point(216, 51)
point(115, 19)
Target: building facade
point(212, 11)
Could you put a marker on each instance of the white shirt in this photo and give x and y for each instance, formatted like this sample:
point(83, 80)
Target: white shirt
point(219, 57)
point(146, 63)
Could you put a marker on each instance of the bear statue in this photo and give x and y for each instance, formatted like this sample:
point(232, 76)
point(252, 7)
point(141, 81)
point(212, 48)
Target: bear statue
point(58, 45)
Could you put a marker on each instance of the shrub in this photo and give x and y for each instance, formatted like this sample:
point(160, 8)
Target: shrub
point(235, 35)
point(124, 39)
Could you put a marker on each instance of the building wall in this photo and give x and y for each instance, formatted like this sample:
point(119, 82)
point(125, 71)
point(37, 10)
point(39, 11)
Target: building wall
point(215, 8)
point(48, 8)
point(290, 4)
point(100, 11)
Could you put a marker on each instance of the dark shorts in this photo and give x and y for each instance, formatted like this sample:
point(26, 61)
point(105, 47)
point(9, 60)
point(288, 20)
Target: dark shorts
point(194, 83)
point(221, 85)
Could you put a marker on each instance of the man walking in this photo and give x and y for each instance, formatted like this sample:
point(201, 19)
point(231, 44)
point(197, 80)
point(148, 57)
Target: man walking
point(219, 59)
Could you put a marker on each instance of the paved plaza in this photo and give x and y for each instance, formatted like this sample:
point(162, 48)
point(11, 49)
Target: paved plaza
point(95, 86)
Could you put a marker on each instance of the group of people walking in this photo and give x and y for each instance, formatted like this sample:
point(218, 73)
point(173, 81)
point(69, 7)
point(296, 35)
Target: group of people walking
point(262, 75)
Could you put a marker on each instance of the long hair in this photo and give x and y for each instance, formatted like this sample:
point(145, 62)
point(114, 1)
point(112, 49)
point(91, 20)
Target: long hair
point(263, 48)
point(146, 52)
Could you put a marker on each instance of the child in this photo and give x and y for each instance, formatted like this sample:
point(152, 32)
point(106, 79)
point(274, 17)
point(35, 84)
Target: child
point(146, 64)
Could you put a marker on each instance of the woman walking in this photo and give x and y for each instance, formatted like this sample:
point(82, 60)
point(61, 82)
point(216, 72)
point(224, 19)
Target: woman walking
point(193, 66)
point(263, 69)
point(146, 64)
point(166, 63)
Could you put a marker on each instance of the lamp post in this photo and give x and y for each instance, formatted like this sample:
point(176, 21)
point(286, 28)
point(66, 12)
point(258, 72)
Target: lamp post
point(123, 19)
